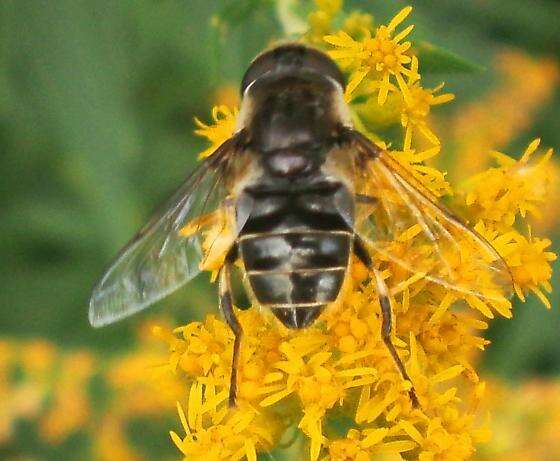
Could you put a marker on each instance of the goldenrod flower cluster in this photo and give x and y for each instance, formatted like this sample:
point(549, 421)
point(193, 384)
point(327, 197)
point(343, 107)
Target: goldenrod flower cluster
point(69, 407)
point(496, 119)
point(334, 385)
point(525, 421)
point(382, 62)
point(54, 396)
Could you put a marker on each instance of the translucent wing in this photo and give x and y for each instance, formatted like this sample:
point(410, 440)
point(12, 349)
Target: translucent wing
point(168, 251)
point(405, 226)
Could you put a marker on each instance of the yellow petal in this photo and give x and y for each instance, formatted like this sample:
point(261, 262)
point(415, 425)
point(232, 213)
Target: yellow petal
point(397, 38)
point(355, 79)
point(448, 374)
point(399, 17)
point(530, 150)
point(395, 447)
point(272, 399)
point(374, 436)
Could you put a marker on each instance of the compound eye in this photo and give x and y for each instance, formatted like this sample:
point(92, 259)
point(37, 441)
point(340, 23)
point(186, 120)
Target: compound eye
point(292, 58)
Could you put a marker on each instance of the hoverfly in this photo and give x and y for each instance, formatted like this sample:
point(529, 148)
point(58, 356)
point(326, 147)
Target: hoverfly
point(300, 193)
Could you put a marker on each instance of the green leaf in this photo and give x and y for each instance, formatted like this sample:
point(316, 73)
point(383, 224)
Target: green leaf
point(46, 219)
point(436, 60)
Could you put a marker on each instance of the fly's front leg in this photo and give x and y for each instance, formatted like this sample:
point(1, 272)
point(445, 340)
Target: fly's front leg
point(226, 305)
point(387, 328)
point(386, 314)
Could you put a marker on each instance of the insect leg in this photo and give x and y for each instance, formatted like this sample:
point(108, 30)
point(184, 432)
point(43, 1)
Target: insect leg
point(367, 199)
point(386, 314)
point(386, 329)
point(226, 305)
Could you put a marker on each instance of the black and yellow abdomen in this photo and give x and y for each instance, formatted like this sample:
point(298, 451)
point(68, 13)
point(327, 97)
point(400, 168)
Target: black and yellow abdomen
point(295, 248)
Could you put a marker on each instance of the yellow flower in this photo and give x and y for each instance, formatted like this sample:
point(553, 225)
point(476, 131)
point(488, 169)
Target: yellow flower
point(414, 162)
point(51, 389)
point(345, 365)
point(372, 61)
point(357, 24)
point(417, 103)
point(360, 445)
point(111, 441)
point(378, 57)
point(525, 422)
point(320, 20)
point(21, 400)
point(338, 371)
point(221, 130)
point(215, 433)
point(530, 264)
point(70, 409)
point(515, 187)
point(496, 118)
point(526, 257)
point(311, 370)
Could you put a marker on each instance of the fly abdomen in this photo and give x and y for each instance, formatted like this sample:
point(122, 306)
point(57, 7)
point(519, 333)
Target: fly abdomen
point(297, 287)
point(295, 248)
point(298, 316)
point(296, 274)
point(297, 297)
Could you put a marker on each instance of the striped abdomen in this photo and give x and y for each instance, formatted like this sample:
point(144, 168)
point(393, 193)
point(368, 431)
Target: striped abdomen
point(295, 250)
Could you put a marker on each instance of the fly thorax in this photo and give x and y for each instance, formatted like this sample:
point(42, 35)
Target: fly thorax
point(292, 162)
point(289, 119)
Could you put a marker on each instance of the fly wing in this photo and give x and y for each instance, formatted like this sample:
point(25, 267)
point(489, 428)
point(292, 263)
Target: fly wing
point(168, 251)
point(404, 225)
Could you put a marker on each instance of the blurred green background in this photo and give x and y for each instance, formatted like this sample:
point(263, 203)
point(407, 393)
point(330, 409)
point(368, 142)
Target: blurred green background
point(97, 99)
